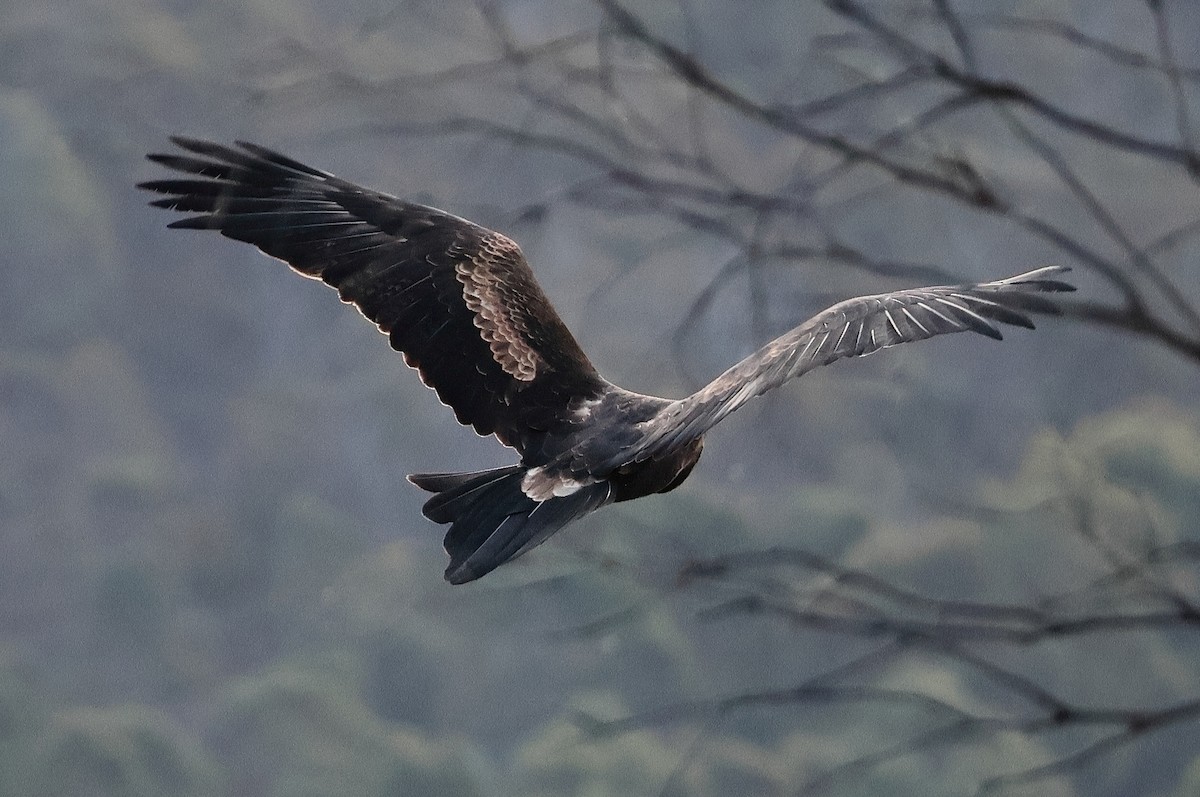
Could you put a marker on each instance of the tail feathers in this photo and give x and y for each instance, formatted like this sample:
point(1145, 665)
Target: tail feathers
point(493, 521)
point(455, 492)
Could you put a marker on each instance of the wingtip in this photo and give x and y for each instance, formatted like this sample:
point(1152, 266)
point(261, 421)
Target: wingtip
point(1056, 286)
point(196, 146)
point(191, 144)
point(1038, 279)
point(1051, 269)
point(195, 223)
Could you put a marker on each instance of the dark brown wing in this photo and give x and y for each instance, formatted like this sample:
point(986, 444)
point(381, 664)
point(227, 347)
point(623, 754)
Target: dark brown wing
point(849, 329)
point(458, 299)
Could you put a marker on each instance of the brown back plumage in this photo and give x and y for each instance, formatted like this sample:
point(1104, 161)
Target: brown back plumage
point(463, 306)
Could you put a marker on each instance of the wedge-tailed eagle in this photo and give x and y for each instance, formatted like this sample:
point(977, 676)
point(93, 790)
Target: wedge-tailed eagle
point(461, 303)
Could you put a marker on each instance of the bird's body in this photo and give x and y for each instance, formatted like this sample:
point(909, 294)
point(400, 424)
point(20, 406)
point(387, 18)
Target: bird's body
point(463, 306)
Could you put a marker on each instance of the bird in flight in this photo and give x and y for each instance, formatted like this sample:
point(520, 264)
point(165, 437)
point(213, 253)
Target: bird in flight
point(462, 305)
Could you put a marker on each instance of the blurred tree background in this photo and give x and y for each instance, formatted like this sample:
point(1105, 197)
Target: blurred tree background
point(953, 568)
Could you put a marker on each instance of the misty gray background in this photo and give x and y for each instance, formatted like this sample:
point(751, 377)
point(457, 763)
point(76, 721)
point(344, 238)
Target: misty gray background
point(214, 578)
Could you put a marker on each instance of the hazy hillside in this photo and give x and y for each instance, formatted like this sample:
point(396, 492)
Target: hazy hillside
point(214, 579)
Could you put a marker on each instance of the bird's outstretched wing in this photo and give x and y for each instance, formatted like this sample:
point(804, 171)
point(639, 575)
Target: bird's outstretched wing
point(849, 329)
point(457, 299)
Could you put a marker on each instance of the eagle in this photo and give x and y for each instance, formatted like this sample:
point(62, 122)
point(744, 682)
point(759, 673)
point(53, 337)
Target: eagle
point(461, 304)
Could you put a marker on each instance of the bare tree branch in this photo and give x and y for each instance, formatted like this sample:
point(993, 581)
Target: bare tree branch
point(923, 122)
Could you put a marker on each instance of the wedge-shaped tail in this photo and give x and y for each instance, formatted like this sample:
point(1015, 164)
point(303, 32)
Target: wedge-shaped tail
point(493, 520)
point(462, 304)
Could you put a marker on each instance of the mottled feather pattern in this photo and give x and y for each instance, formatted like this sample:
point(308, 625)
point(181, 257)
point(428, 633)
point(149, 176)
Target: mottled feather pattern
point(463, 306)
point(497, 306)
point(851, 328)
point(457, 299)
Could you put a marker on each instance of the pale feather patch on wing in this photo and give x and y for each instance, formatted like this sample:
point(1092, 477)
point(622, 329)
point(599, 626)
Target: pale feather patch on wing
point(484, 293)
point(747, 390)
point(542, 486)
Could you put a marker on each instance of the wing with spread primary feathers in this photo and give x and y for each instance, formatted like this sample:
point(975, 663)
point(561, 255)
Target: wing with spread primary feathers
point(850, 329)
point(457, 299)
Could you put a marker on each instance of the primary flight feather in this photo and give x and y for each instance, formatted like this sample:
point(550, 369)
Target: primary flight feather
point(461, 303)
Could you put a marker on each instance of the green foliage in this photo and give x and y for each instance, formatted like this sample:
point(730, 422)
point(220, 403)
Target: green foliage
point(123, 751)
point(1189, 784)
point(22, 731)
point(213, 579)
point(561, 761)
point(56, 217)
point(130, 605)
point(1130, 478)
point(304, 729)
point(1152, 452)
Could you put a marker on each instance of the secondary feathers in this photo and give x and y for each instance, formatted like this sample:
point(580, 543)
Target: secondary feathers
point(462, 305)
